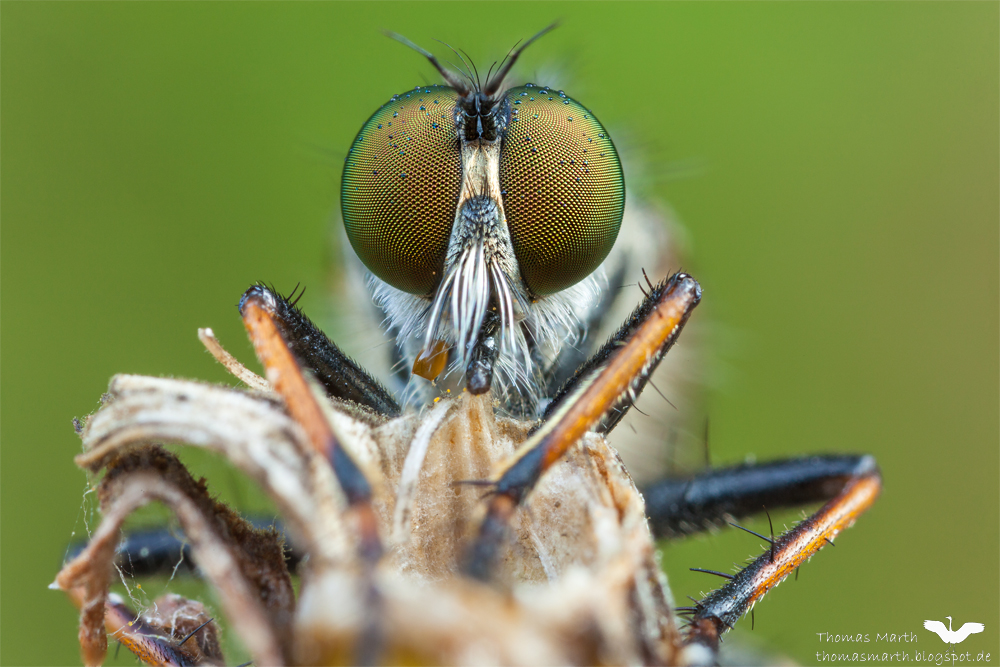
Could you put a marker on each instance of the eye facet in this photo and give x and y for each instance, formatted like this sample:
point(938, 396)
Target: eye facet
point(563, 189)
point(400, 188)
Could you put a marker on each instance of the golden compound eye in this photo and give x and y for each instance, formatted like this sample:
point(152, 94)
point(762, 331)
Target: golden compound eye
point(563, 189)
point(400, 188)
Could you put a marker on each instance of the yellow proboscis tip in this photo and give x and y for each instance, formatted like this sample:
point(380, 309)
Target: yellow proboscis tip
point(431, 361)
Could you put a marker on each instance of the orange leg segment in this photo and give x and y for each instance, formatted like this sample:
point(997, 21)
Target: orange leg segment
point(613, 378)
point(285, 374)
point(718, 612)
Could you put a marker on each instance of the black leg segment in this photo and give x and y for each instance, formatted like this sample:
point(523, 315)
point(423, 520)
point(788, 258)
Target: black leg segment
point(615, 412)
point(340, 375)
point(160, 551)
point(610, 380)
point(682, 506)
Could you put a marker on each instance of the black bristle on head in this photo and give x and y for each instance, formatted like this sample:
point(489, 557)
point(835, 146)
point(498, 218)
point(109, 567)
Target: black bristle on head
point(493, 85)
point(450, 77)
point(479, 84)
point(468, 70)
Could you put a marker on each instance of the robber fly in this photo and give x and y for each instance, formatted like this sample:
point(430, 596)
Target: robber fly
point(495, 524)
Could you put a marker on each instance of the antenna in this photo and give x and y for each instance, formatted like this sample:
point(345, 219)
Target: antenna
point(493, 85)
point(453, 80)
point(468, 70)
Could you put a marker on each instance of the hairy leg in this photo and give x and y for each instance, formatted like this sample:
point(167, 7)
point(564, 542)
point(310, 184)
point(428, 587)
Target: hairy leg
point(717, 613)
point(261, 315)
point(605, 386)
point(680, 506)
point(341, 377)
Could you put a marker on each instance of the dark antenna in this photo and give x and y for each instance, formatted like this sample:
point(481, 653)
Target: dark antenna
point(505, 57)
point(453, 80)
point(468, 70)
point(472, 82)
point(493, 85)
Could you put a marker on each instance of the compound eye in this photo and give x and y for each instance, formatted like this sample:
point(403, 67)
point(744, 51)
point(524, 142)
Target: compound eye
point(400, 188)
point(563, 189)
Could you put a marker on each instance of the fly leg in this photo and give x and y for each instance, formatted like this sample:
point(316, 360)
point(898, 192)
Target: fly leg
point(852, 483)
point(598, 395)
point(264, 320)
point(573, 356)
point(262, 316)
point(158, 550)
point(681, 506)
point(341, 377)
point(152, 551)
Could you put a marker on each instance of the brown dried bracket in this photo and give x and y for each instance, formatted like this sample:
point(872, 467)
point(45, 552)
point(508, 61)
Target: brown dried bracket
point(245, 565)
point(574, 576)
point(579, 581)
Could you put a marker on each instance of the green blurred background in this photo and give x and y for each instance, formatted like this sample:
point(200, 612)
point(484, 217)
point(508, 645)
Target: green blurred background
point(843, 220)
